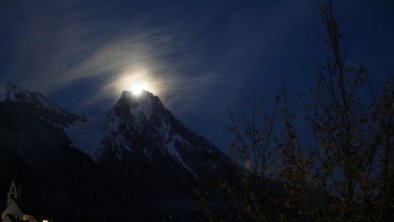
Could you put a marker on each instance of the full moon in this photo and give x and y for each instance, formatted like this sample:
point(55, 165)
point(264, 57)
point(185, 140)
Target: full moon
point(136, 81)
point(137, 89)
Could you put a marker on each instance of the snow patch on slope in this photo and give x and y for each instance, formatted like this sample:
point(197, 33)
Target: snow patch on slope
point(174, 153)
point(143, 111)
point(142, 104)
point(85, 136)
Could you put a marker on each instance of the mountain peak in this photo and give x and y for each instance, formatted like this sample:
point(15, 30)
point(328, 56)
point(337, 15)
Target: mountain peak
point(12, 94)
point(142, 139)
point(144, 103)
point(141, 97)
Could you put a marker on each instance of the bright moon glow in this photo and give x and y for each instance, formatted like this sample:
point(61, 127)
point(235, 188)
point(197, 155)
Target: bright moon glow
point(137, 89)
point(136, 81)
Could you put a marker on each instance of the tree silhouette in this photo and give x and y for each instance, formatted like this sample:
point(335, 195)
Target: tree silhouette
point(347, 174)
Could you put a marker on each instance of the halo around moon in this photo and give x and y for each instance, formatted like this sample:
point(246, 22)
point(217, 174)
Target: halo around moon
point(136, 81)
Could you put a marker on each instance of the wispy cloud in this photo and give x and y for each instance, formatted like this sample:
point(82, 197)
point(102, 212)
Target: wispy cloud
point(59, 44)
point(194, 57)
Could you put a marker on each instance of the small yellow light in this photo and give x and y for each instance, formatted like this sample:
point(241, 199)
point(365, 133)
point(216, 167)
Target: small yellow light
point(44, 220)
point(25, 217)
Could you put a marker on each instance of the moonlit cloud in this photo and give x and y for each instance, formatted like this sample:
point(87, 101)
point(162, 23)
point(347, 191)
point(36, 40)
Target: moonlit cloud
point(191, 57)
point(198, 56)
point(68, 47)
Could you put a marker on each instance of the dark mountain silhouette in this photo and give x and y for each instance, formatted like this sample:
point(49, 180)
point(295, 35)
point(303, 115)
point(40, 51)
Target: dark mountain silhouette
point(143, 141)
point(147, 168)
point(56, 178)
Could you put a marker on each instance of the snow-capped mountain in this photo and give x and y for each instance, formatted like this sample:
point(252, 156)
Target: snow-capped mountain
point(138, 152)
point(54, 177)
point(141, 138)
point(48, 111)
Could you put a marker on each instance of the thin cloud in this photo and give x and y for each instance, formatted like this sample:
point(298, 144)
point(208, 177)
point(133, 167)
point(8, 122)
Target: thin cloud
point(63, 43)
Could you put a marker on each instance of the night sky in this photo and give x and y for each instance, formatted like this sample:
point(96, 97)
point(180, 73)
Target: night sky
point(199, 57)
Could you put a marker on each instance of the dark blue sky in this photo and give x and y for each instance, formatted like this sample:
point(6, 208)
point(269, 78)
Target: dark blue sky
point(199, 57)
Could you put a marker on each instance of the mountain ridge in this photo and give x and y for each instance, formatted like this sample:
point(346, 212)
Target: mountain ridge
point(140, 131)
point(140, 144)
point(10, 93)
